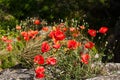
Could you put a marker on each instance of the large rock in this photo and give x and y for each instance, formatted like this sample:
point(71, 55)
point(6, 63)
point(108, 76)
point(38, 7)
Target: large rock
point(17, 74)
point(110, 77)
point(112, 71)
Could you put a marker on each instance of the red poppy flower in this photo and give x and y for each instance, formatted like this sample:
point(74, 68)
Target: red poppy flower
point(85, 58)
point(75, 34)
point(92, 32)
point(57, 34)
point(35, 32)
point(26, 38)
point(51, 34)
point(38, 59)
point(39, 69)
point(72, 29)
point(29, 35)
point(89, 45)
point(39, 76)
point(24, 33)
point(18, 27)
point(37, 22)
point(45, 47)
point(40, 72)
point(51, 61)
point(9, 47)
point(72, 44)
point(8, 41)
point(103, 30)
point(45, 29)
point(56, 46)
point(32, 34)
point(64, 29)
point(4, 38)
point(82, 27)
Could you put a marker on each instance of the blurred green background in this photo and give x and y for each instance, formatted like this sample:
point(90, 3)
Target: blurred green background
point(95, 12)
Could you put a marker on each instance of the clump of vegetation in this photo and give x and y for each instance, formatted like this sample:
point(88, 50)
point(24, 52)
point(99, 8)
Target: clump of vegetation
point(65, 50)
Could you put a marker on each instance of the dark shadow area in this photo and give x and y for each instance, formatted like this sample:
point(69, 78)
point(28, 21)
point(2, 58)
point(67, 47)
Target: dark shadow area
point(113, 46)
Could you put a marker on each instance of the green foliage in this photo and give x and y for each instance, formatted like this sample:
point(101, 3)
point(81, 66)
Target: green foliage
point(7, 21)
point(69, 64)
point(7, 61)
point(52, 9)
point(68, 67)
point(69, 61)
point(7, 58)
point(92, 11)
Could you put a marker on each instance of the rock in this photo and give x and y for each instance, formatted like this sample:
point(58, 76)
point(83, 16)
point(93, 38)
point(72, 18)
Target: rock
point(17, 74)
point(110, 77)
point(112, 70)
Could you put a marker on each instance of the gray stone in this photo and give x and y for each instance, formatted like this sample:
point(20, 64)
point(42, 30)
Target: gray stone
point(110, 77)
point(17, 74)
point(112, 70)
